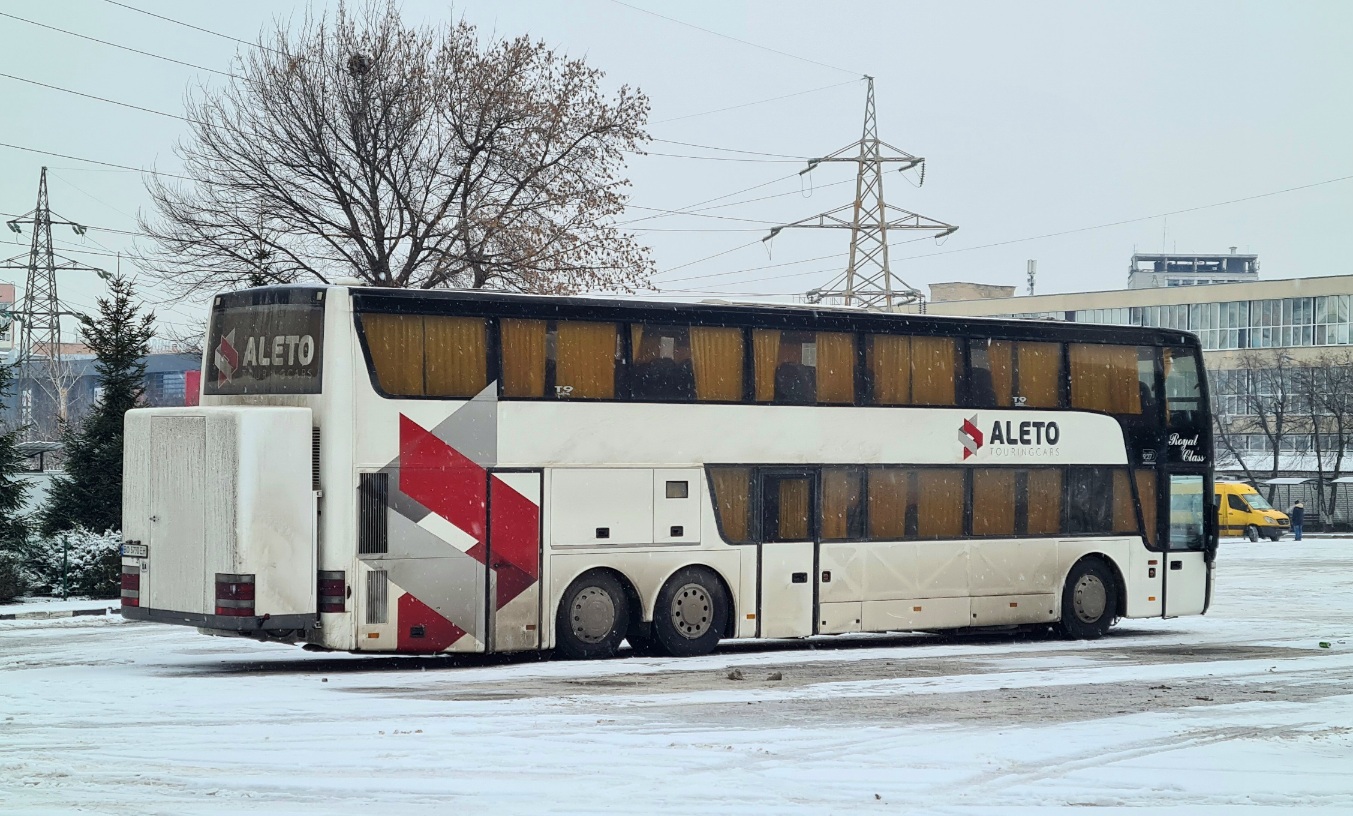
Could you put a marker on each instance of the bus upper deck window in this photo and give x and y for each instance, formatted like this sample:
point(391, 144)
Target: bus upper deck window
point(1183, 389)
point(1114, 379)
point(907, 370)
point(1007, 374)
point(804, 368)
point(427, 355)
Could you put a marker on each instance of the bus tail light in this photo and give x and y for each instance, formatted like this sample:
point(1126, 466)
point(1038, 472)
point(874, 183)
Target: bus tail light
point(234, 595)
point(333, 590)
point(131, 585)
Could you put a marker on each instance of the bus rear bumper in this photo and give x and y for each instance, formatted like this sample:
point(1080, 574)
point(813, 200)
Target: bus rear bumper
point(224, 623)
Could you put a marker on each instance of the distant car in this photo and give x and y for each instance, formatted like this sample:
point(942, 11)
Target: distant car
point(1242, 511)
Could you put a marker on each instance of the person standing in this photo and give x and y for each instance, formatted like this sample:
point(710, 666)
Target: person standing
point(1297, 513)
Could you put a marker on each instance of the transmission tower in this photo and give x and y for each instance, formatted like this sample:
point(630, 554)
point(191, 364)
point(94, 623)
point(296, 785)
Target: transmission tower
point(39, 311)
point(868, 280)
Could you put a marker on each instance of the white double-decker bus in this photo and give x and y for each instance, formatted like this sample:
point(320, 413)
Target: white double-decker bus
point(421, 472)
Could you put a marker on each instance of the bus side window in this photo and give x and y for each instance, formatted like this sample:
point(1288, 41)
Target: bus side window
point(842, 504)
point(717, 355)
point(1007, 374)
point(804, 368)
point(662, 368)
point(586, 359)
point(523, 357)
point(993, 501)
point(1237, 503)
point(427, 355)
point(1114, 379)
point(1148, 492)
point(907, 370)
point(1089, 501)
point(732, 494)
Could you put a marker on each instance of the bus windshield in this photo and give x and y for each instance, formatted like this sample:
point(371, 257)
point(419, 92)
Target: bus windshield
point(1258, 502)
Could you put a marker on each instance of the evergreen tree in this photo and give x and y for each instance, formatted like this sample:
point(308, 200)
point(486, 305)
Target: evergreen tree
point(13, 526)
point(90, 494)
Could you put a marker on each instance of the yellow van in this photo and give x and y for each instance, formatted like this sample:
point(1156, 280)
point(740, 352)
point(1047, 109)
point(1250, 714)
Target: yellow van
point(1242, 511)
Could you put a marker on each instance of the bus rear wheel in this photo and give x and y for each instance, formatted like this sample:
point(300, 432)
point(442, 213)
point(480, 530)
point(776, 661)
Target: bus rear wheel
point(691, 613)
point(1089, 601)
point(593, 617)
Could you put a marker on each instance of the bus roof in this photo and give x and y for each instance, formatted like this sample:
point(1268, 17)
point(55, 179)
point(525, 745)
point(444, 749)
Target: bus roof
point(770, 315)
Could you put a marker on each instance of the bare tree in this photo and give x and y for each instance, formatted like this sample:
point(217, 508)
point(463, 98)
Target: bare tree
point(405, 156)
point(1327, 386)
point(1270, 402)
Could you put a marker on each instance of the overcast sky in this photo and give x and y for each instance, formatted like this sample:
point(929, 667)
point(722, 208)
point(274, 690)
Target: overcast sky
point(1035, 118)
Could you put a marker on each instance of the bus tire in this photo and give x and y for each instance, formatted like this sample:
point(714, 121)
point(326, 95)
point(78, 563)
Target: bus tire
point(691, 613)
point(1089, 601)
point(1276, 536)
point(1252, 533)
point(593, 617)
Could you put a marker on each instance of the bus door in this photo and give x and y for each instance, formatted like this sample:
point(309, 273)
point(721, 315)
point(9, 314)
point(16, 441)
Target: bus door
point(513, 556)
point(788, 509)
point(1185, 562)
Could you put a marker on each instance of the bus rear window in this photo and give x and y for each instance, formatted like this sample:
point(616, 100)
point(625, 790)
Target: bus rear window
point(266, 341)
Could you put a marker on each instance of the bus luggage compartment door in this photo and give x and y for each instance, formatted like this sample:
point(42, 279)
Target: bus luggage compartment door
point(514, 561)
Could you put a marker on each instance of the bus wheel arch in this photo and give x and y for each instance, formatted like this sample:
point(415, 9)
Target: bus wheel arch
point(593, 615)
point(693, 611)
point(1093, 597)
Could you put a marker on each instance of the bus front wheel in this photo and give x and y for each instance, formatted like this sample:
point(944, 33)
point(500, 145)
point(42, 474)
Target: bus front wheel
point(593, 617)
point(1252, 533)
point(1089, 601)
point(691, 613)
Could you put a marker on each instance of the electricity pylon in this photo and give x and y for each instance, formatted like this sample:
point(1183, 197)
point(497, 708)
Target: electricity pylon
point(39, 312)
point(869, 280)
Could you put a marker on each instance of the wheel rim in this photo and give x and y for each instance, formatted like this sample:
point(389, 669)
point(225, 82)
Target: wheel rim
point(593, 614)
point(692, 611)
point(1089, 599)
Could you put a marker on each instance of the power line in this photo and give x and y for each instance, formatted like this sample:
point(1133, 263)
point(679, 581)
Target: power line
point(734, 39)
point(97, 98)
point(186, 25)
point(711, 158)
point(94, 161)
point(733, 150)
point(756, 102)
point(1012, 240)
point(113, 44)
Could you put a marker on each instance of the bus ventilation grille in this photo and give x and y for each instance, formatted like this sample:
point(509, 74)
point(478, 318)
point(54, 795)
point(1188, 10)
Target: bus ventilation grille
point(314, 458)
point(373, 491)
point(377, 595)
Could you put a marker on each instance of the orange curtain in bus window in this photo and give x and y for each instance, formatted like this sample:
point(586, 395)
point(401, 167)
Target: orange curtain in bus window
point(993, 502)
point(585, 357)
point(1146, 493)
point(939, 505)
point(733, 498)
point(1001, 366)
point(889, 364)
point(765, 357)
point(1104, 378)
point(933, 367)
point(396, 344)
point(889, 490)
point(793, 510)
point(1124, 509)
point(455, 356)
point(1040, 374)
point(1045, 502)
point(841, 498)
point(523, 355)
point(717, 354)
point(836, 368)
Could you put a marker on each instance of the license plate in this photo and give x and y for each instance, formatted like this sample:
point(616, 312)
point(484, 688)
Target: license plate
point(133, 549)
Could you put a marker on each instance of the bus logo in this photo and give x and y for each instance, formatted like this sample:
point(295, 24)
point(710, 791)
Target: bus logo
point(227, 358)
point(970, 436)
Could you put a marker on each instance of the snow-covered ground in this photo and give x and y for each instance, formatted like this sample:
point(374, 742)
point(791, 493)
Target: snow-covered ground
point(1193, 715)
